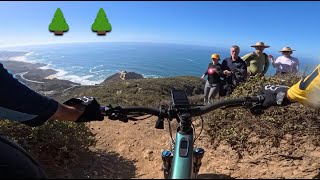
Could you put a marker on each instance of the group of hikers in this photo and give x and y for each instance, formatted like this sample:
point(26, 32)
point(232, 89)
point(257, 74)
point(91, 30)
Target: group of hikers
point(224, 77)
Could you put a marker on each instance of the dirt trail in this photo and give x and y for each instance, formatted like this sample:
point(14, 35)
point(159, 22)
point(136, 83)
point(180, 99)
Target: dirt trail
point(142, 144)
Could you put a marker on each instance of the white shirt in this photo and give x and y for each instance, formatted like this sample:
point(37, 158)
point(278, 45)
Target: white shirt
point(284, 64)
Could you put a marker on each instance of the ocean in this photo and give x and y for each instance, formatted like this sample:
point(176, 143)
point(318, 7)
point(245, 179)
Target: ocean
point(92, 63)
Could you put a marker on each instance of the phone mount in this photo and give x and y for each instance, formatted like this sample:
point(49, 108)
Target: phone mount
point(179, 99)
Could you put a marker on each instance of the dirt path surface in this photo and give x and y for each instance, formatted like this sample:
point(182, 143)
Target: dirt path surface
point(133, 150)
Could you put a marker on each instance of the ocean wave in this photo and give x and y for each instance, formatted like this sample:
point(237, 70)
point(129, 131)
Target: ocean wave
point(26, 58)
point(23, 58)
point(191, 60)
point(47, 66)
point(96, 72)
point(77, 67)
point(19, 58)
point(151, 76)
point(30, 53)
point(83, 80)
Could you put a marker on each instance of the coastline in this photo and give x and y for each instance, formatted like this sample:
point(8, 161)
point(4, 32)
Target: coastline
point(32, 75)
point(39, 76)
point(44, 80)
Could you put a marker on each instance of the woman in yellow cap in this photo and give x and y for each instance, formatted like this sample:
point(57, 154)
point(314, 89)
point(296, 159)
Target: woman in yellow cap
point(213, 83)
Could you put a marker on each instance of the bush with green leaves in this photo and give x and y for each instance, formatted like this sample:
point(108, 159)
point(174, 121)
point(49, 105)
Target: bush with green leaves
point(236, 126)
point(61, 142)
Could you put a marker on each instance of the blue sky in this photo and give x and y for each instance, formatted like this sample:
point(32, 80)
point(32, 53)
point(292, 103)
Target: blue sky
point(278, 24)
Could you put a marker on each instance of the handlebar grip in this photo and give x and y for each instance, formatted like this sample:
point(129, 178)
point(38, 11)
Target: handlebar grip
point(259, 98)
point(104, 110)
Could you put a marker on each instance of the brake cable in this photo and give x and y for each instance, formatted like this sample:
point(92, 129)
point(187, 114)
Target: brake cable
point(200, 130)
point(133, 117)
point(170, 130)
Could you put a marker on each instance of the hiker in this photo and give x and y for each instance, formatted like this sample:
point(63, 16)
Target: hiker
point(214, 73)
point(123, 75)
point(234, 70)
point(286, 63)
point(258, 61)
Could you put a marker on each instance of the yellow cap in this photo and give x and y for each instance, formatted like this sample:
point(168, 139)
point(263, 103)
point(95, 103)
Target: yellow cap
point(215, 56)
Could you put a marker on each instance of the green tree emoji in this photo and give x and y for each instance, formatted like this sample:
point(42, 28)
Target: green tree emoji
point(101, 24)
point(58, 24)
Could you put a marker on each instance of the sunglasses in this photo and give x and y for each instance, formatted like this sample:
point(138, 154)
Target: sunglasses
point(285, 51)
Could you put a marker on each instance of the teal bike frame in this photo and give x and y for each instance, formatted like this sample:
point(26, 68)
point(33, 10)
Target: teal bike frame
point(182, 167)
point(185, 160)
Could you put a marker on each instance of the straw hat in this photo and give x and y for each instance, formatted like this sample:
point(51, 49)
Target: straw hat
point(216, 56)
point(260, 44)
point(286, 49)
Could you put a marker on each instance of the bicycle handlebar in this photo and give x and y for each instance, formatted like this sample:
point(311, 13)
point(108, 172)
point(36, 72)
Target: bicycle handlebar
point(172, 112)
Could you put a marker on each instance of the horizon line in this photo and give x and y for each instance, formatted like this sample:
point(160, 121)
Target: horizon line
point(75, 42)
point(152, 42)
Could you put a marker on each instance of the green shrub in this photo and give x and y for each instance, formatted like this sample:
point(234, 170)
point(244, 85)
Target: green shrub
point(55, 140)
point(236, 125)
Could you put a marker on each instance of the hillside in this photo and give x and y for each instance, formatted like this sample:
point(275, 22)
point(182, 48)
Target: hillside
point(281, 143)
point(147, 91)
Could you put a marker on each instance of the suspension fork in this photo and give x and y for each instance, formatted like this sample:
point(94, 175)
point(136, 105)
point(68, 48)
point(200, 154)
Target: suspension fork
point(198, 154)
point(185, 161)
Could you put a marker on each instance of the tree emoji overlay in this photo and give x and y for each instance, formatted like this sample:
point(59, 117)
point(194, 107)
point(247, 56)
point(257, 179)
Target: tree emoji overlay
point(101, 24)
point(58, 24)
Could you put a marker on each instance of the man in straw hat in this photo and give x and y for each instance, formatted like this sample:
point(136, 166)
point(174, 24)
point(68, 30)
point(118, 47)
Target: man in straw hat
point(285, 63)
point(258, 61)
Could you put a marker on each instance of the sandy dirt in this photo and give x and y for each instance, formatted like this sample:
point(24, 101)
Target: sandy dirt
point(133, 150)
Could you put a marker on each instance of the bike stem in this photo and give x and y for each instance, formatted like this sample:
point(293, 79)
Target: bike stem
point(185, 122)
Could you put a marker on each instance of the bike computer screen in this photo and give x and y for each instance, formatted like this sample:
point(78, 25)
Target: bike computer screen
point(179, 98)
point(184, 147)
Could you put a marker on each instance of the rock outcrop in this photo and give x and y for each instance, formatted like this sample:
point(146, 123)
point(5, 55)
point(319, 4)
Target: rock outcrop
point(122, 76)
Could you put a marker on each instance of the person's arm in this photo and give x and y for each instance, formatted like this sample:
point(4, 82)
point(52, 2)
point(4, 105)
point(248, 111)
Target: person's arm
point(67, 113)
point(20, 103)
point(307, 90)
point(205, 73)
point(275, 63)
point(266, 66)
point(242, 69)
point(219, 71)
point(247, 58)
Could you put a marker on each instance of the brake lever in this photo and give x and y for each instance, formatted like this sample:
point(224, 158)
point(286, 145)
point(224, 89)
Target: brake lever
point(257, 109)
point(254, 107)
point(114, 113)
point(120, 117)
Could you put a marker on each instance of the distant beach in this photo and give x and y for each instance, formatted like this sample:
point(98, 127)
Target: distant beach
point(32, 74)
point(92, 63)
